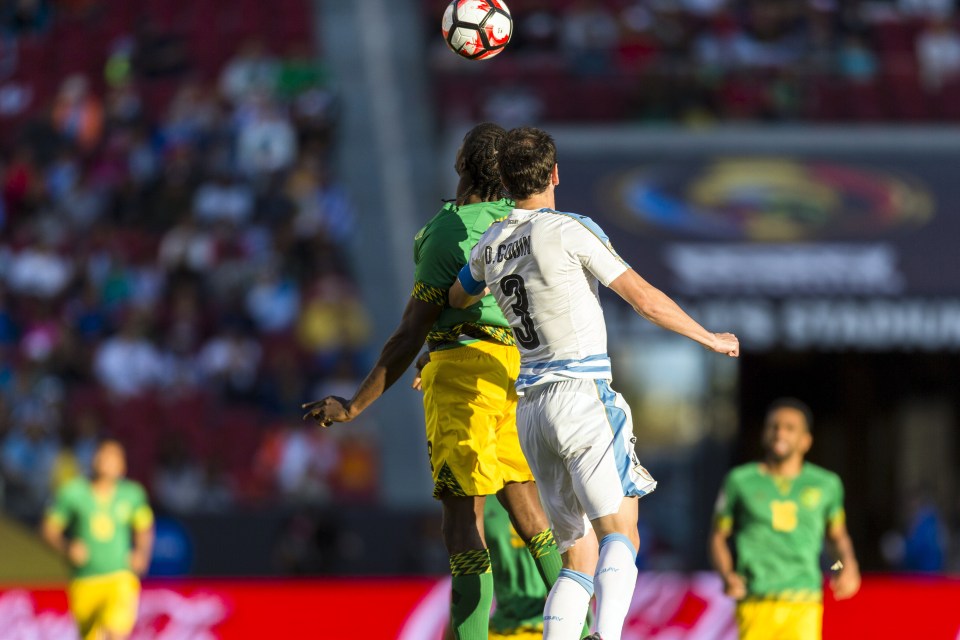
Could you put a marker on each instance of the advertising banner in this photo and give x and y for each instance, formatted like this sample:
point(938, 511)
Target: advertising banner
point(666, 606)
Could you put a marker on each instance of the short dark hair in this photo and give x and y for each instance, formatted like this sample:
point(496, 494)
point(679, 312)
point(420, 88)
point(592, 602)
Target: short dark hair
point(792, 403)
point(527, 158)
point(477, 163)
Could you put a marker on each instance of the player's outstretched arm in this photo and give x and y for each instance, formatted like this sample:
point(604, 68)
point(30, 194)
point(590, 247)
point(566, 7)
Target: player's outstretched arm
point(846, 582)
point(397, 354)
point(655, 306)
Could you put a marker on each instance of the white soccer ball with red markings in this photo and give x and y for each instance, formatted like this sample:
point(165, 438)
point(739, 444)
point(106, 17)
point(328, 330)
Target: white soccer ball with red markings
point(477, 29)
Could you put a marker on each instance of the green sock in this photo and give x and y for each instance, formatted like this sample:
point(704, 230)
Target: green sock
point(545, 554)
point(472, 594)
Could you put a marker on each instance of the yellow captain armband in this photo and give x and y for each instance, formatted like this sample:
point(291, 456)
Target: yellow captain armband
point(142, 518)
point(55, 519)
point(836, 519)
point(723, 524)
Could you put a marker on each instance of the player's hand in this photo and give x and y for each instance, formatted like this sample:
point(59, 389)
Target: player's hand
point(421, 362)
point(77, 553)
point(327, 411)
point(734, 586)
point(726, 343)
point(846, 583)
point(139, 562)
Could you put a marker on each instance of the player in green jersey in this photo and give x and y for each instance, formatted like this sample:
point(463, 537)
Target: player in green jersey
point(469, 395)
point(779, 511)
point(104, 528)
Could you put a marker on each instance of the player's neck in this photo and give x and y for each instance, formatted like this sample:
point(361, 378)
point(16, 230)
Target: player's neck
point(103, 486)
point(542, 200)
point(789, 467)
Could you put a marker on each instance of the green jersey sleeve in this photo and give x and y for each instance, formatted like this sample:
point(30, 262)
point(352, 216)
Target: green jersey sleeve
point(438, 256)
point(63, 508)
point(834, 510)
point(726, 504)
point(142, 515)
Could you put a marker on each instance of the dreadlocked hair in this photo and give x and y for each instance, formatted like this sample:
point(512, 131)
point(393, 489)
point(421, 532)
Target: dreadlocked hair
point(478, 163)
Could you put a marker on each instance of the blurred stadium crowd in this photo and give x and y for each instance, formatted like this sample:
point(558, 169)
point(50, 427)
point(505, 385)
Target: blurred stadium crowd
point(173, 269)
point(696, 62)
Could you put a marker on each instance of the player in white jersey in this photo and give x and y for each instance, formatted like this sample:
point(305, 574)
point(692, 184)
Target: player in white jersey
point(543, 267)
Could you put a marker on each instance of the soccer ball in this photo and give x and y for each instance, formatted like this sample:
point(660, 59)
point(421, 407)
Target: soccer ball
point(477, 29)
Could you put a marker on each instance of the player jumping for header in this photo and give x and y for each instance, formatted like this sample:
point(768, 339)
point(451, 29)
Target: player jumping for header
point(543, 266)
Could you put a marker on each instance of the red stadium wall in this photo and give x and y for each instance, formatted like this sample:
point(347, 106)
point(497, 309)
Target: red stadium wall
point(670, 606)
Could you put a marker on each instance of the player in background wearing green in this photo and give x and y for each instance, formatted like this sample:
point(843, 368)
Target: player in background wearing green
point(104, 528)
point(778, 512)
point(469, 395)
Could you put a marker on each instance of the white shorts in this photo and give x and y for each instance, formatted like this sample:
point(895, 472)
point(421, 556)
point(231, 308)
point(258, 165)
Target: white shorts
point(577, 436)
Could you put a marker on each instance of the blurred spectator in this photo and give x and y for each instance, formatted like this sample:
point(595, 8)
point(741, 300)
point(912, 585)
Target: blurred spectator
point(855, 61)
point(128, 364)
point(299, 72)
point(252, 71)
point(323, 207)
point(229, 361)
point(23, 187)
point(938, 55)
point(39, 271)
point(187, 246)
point(86, 314)
point(273, 301)
point(333, 323)
point(308, 457)
point(28, 451)
point(78, 113)
point(192, 116)
point(84, 203)
point(266, 141)
point(223, 199)
point(769, 38)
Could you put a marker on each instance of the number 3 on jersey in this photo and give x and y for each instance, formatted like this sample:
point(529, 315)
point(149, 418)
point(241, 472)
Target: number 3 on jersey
point(512, 285)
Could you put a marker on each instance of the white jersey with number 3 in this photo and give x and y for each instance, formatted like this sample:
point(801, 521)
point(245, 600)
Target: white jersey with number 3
point(543, 267)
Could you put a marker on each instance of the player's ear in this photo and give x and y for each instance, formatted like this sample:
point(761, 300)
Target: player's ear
point(555, 175)
point(806, 441)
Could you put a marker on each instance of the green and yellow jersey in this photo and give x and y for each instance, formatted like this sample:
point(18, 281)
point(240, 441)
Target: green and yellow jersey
point(778, 526)
point(440, 249)
point(517, 584)
point(103, 523)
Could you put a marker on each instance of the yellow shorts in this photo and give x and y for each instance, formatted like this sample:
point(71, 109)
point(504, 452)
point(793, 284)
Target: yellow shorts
point(518, 635)
point(471, 412)
point(779, 620)
point(107, 602)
